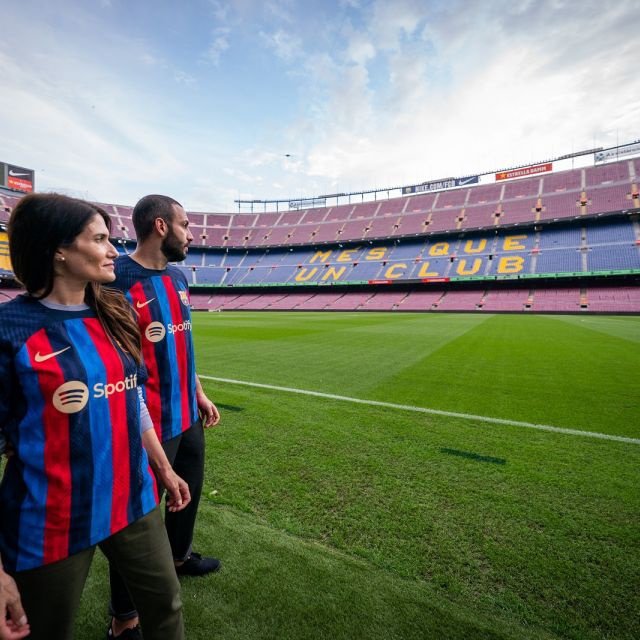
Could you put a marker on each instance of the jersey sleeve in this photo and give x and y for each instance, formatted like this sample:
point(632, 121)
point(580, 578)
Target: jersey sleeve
point(145, 419)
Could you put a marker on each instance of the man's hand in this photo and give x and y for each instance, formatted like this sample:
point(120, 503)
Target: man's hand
point(15, 626)
point(208, 411)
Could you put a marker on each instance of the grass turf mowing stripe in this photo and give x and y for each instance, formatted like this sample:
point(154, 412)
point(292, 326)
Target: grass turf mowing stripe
point(437, 412)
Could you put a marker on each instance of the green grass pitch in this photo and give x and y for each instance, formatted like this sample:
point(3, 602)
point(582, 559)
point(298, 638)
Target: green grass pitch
point(352, 521)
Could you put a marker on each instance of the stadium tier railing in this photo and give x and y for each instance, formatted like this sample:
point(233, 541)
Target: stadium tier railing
point(535, 300)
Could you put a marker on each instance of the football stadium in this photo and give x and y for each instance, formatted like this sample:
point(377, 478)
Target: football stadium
point(454, 452)
point(320, 320)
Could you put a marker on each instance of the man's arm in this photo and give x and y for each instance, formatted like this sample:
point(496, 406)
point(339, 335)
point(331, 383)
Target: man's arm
point(208, 410)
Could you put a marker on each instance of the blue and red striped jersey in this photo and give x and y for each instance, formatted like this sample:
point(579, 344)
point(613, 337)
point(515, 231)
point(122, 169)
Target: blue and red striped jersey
point(160, 299)
point(69, 408)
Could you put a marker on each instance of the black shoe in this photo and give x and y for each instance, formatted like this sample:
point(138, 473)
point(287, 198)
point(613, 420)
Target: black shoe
point(127, 634)
point(196, 565)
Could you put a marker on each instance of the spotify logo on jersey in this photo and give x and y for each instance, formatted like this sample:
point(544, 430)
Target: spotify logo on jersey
point(71, 397)
point(155, 332)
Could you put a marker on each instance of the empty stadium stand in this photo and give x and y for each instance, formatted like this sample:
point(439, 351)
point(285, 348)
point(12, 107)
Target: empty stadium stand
point(592, 247)
point(560, 242)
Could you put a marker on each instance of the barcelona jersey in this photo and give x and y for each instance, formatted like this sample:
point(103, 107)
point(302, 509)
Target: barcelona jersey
point(69, 409)
point(160, 299)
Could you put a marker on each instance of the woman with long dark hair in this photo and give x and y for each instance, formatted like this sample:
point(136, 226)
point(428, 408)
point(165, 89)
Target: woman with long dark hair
point(79, 435)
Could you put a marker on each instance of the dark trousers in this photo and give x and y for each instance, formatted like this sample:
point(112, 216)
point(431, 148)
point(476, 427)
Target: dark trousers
point(186, 455)
point(51, 594)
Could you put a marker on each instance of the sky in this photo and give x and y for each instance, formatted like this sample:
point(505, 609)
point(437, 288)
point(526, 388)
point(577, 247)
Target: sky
point(210, 101)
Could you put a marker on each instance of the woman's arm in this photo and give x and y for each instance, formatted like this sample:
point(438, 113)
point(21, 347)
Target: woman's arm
point(13, 621)
point(179, 496)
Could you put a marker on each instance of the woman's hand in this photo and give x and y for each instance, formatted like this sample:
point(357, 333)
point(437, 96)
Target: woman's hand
point(178, 494)
point(13, 621)
point(177, 489)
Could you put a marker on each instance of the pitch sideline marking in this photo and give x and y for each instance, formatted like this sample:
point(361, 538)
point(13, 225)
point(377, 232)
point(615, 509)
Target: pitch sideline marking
point(435, 412)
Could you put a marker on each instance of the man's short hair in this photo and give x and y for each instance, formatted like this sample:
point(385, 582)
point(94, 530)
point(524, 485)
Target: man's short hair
point(148, 209)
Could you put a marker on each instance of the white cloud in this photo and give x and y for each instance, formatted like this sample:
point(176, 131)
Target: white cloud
point(149, 59)
point(243, 176)
point(284, 44)
point(220, 11)
point(258, 158)
point(360, 49)
point(280, 10)
point(208, 195)
point(391, 21)
point(218, 45)
point(182, 77)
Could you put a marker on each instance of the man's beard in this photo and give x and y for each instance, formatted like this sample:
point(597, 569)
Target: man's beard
point(172, 250)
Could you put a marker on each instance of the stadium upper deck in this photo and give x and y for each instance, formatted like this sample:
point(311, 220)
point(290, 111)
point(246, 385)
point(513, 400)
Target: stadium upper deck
point(589, 191)
point(577, 193)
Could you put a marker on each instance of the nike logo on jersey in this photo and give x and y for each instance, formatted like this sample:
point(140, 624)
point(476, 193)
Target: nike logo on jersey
point(140, 305)
point(47, 356)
